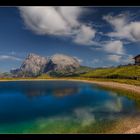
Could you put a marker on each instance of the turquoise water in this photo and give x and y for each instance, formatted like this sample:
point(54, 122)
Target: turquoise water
point(60, 107)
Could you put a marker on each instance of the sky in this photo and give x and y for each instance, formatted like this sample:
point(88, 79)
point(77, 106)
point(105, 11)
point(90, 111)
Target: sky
point(96, 36)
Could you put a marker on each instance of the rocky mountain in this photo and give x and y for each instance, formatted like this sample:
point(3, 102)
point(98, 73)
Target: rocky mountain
point(35, 65)
point(59, 62)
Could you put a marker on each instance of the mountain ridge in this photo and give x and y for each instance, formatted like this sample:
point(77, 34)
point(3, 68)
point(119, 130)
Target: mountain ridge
point(35, 64)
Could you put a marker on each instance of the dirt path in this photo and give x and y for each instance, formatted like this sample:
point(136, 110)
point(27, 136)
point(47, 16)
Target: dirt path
point(128, 87)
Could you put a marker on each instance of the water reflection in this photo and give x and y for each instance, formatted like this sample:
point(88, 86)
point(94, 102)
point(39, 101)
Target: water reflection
point(85, 116)
point(83, 103)
point(32, 93)
point(61, 92)
point(57, 92)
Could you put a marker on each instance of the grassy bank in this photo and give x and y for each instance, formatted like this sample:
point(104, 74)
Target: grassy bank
point(122, 72)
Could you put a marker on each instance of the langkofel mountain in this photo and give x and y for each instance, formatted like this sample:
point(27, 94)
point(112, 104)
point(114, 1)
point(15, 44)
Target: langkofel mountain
point(35, 65)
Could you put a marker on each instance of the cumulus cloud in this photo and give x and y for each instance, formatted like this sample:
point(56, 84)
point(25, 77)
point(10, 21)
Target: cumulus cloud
point(50, 20)
point(114, 58)
point(117, 22)
point(115, 47)
point(61, 21)
point(123, 28)
point(126, 59)
point(85, 35)
point(8, 57)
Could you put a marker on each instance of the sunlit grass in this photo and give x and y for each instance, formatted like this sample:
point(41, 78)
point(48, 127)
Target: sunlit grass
point(117, 72)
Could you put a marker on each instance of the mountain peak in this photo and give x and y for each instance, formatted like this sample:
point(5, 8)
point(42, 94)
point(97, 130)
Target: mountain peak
point(30, 55)
point(35, 64)
point(62, 62)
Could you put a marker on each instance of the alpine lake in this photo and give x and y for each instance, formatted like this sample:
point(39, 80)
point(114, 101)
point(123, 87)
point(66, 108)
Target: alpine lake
point(64, 107)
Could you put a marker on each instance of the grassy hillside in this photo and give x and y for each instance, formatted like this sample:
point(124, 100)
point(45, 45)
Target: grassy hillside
point(122, 72)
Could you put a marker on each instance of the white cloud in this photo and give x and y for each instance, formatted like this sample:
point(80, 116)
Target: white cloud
point(115, 47)
point(128, 60)
point(8, 57)
point(123, 28)
point(123, 59)
point(61, 21)
point(117, 22)
point(85, 35)
point(114, 58)
point(44, 20)
point(71, 14)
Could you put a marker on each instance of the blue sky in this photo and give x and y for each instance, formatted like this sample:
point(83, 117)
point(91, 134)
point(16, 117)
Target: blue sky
point(97, 36)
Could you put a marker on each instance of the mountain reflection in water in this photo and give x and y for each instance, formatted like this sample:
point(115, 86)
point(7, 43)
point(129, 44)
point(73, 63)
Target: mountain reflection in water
point(55, 104)
point(57, 92)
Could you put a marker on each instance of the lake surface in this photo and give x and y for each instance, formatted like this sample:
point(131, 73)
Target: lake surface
point(60, 107)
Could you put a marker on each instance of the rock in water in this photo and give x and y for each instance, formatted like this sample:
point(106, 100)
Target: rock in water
point(33, 64)
point(59, 62)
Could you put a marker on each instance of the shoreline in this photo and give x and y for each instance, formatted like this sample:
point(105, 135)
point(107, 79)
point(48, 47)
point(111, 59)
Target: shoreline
point(109, 84)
